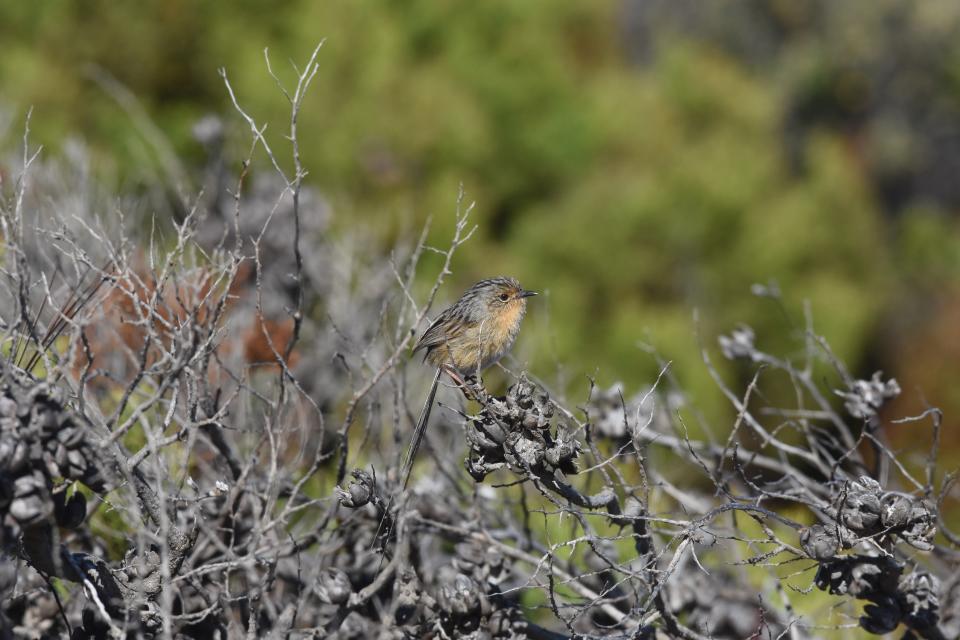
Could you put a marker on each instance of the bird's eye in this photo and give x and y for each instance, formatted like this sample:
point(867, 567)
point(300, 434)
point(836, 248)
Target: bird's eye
point(504, 297)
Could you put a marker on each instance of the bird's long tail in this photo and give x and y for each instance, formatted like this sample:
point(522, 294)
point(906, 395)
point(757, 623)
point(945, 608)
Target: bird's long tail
point(411, 453)
point(418, 432)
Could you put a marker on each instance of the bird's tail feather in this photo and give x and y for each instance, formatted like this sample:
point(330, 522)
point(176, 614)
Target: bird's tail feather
point(411, 453)
point(418, 433)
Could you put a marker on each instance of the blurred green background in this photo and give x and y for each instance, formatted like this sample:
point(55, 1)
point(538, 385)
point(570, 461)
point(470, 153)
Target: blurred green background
point(634, 160)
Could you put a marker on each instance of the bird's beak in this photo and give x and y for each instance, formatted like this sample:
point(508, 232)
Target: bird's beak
point(527, 294)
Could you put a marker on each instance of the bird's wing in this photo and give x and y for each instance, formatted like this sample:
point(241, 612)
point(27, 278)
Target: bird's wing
point(434, 336)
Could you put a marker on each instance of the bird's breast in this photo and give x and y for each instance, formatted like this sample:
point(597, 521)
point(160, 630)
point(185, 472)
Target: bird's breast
point(484, 343)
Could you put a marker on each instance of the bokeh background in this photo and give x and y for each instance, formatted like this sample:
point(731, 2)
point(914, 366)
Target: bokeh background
point(635, 160)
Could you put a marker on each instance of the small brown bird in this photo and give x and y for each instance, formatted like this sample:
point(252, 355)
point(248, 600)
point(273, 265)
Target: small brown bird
point(466, 338)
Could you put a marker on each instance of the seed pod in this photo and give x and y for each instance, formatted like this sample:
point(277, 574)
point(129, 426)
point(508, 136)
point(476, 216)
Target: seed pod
point(459, 597)
point(333, 586)
point(819, 542)
point(31, 503)
point(69, 512)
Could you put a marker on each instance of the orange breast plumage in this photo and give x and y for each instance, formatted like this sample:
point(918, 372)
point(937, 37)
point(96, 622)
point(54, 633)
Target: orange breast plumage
point(499, 333)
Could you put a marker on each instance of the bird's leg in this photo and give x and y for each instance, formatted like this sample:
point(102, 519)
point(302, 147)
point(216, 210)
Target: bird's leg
point(468, 385)
point(451, 371)
point(474, 388)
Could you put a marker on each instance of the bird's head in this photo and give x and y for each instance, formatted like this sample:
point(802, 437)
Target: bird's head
point(503, 296)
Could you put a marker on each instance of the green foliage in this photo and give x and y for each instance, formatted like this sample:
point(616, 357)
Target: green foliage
point(695, 205)
point(927, 247)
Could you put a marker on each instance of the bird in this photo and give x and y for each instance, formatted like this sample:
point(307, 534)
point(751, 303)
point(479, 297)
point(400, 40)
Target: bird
point(466, 338)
